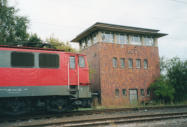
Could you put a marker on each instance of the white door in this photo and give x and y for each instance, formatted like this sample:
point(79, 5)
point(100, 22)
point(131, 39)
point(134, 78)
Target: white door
point(133, 96)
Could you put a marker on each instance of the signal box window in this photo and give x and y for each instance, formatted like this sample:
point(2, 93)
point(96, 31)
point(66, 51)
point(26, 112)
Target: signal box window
point(114, 60)
point(124, 92)
point(142, 92)
point(122, 62)
point(48, 60)
point(117, 92)
point(138, 63)
point(130, 63)
point(148, 92)
point(108, 37)
point(148, 41)
point(22, 59)
point(122, 39)
point(72, 62)
point(145, 64)
point(81, 61)
point(135, 40)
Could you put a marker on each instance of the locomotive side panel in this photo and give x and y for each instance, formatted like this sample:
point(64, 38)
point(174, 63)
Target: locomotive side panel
point(36, 80)
point(42, 73)
point(42, 79)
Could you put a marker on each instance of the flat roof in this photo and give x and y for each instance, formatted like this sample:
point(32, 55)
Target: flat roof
point(40, 49)
point(117, 28)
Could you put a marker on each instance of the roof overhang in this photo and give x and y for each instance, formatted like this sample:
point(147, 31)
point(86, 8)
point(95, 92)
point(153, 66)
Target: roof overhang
point(118, 28)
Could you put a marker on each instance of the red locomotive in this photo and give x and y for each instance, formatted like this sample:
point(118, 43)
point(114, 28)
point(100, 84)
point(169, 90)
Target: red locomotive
point(38, 79)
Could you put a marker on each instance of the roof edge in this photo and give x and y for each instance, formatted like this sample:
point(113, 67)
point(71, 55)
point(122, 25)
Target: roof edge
point(119, 28)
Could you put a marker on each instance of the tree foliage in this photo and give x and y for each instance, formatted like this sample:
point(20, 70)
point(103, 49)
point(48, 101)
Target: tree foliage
point(162, 91)
point(13, 31)
point(34, 38)
point(57, 44)
point(172, 84)
point(177, 75)
point(13, 28)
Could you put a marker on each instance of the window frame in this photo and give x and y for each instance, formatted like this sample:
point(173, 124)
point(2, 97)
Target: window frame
point(130, 59)
point(83, 44)
point(122, 59)
point(11, 60)
point(117, 92)
point(138, 67)
point(114, 62)
point(123, 92)
point(121, 38)
point(142, 92)
point(145, 67)
point(148, 92)
point(107, 37)
point(79, 62)
point(55, 54)
point(149, 41)
point(89, 41)
point(94, 38)
point(70, 62)
point(135, 40)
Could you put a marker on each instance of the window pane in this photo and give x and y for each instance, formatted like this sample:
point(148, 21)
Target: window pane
point(148, 92)
point(121, 39)
point(138, 63)
point(117, 92)
point(72, 62)
point(89, 42)
point(22, 59)
point(94, 38)
point(48, 60)
point(130, 63)
point(122, 62)
point(148, 41)
point(83, 44)
point(142, 92)
point(145, 63)
point(108, 37)
point(114, 60)
point(81, 61)
point(124, 92)
point(135, 40)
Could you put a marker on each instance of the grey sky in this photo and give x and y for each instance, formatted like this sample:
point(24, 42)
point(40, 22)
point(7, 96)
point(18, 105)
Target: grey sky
point(67, 18)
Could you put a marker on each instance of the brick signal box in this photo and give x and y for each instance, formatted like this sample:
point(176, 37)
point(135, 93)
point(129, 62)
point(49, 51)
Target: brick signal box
point(123, 61)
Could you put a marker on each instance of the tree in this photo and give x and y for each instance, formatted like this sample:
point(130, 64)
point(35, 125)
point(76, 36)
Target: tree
point(13, 28)
point(57, 44)
point(33, 41)
point(34, 38)
point(162, 91)
point(172, 84)
point(177, 75)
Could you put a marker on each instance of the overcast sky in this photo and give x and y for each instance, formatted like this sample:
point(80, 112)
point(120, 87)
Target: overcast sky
point(65, 19)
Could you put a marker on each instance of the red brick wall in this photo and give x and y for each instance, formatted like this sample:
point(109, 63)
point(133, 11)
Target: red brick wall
point(93, 62)
point(121, 78)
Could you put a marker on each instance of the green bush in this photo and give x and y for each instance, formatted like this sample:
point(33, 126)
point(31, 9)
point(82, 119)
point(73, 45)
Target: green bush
point(171, 86)
point(177, 75)
point(161, 91)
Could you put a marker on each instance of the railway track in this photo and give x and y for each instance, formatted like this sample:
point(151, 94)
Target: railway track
point(112, 120)
point(44, 116)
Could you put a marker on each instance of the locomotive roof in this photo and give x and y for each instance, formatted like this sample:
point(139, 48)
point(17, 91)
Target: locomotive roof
point(34, 48)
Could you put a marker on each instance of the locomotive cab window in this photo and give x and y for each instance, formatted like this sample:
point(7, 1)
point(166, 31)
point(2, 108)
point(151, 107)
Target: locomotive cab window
point(22, 59)
point(72, 62)
point(48, 60)
point(81, 61)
